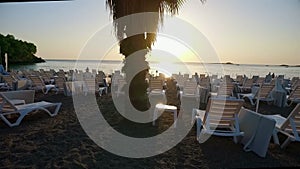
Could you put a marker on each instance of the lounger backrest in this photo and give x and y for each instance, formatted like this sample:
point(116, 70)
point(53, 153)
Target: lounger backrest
point(295, 94)
point(46, 77)
point(227, 79)
point(90, 83)
point(35, 72)
point(49, 74)
point(213, 77)
point(121, 83)
point(222, 112)
point(294, 79)
point(293, 121)
point(260, 80)
point(265, 90)
point(248, 83)
point(202, 76)
point(186, 76)
point(205, 82)
point(61, 73)
point(5, 104)
point(59, 82)
point(239, 79)
point(225, 89)
point(180, 80)
point(155, 84)
point(100, 79)
point(190, 87)
point(37, 81)
point(295, 82)
point(8, 79)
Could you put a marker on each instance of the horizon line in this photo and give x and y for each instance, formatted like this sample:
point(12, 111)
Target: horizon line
point(189, 62)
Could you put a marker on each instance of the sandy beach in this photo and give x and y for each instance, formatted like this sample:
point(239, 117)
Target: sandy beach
point(91, 65)
point(59, 142)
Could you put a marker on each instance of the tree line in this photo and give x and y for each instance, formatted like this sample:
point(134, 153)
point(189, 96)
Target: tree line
point(18, 51)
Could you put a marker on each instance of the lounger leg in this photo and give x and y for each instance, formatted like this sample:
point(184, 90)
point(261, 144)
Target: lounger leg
point(237, 128)
point(235, 139)
point(251, 101)
point(48, 89)
point(286, 142)
point(275, 137)
point(100, 92)
point(45, 92)
point(57, 90)
point(199, 125)
point(58, 105)
point(193, 115)
point(20, 118)
point(290, 103)
point(18, 121)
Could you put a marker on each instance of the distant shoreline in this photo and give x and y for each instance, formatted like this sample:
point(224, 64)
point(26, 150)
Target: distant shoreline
point(225, 63)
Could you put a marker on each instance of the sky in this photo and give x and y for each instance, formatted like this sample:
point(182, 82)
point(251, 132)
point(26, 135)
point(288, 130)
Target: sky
point(239, 31)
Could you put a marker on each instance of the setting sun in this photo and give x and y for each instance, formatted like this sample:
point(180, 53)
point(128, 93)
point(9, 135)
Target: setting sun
point(170, 49)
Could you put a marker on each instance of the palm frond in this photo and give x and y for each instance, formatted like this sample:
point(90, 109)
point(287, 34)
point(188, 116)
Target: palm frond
point(121, 8)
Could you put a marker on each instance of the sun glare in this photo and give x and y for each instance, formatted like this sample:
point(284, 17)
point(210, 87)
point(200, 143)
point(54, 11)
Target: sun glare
point(166, 53)
point(175, 49)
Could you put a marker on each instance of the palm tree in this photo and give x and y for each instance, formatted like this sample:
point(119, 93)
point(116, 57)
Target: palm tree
point(142, 42)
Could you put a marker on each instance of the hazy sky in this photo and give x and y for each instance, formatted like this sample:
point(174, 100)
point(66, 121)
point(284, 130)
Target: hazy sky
point(252, 31)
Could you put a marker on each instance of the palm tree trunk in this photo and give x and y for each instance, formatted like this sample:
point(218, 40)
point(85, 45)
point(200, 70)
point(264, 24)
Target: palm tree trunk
point(136, 67)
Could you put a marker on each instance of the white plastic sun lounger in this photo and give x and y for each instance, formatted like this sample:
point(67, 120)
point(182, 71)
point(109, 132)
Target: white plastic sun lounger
point(288, 126)
point(8, 108)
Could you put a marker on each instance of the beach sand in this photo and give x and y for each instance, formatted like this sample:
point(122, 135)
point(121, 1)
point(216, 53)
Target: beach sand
point(42, 141)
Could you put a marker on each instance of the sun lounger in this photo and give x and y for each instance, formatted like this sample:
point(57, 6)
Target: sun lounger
point(156, 86)
point(156, 92)
point(190, 89)
point(220, 118)
point(9, 108)
point(38, 84)
point(9, 82)
point(263, 94)
point(59, 83)
point(289, 126)
point(257, 130)
point(247, 85)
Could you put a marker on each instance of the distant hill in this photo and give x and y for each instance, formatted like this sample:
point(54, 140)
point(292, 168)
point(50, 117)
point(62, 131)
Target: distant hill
point(19, 51)
point(283, 65)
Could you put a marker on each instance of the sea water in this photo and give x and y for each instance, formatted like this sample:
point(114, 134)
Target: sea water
point(109, 66)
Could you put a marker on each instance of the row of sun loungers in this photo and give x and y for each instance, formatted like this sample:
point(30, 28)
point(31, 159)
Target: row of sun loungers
point(45, 81)
point(224, 114)
point(16, 103)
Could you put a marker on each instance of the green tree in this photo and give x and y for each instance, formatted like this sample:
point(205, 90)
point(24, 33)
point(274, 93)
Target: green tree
point(18, 51)
point(139, 42)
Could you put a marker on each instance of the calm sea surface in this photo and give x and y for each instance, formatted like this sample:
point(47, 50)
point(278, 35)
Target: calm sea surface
point(168, 68)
